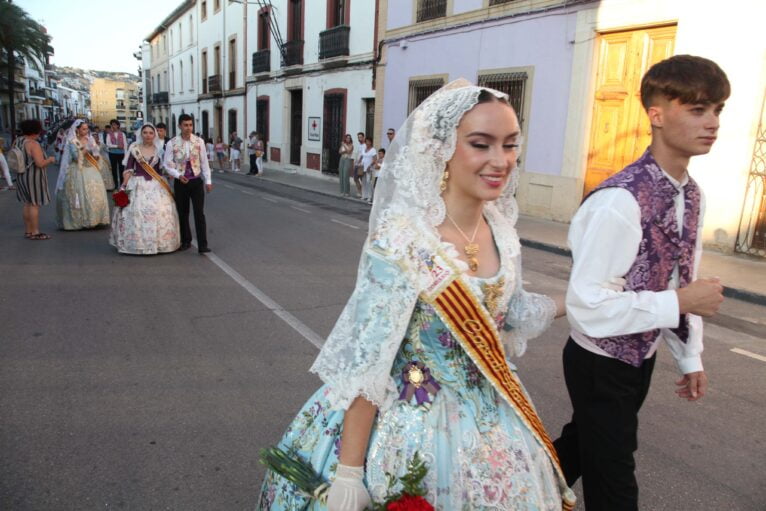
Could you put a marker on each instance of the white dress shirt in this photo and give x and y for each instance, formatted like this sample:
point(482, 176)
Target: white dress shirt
point(604, 237)
point(170, 163)
point(116, 144)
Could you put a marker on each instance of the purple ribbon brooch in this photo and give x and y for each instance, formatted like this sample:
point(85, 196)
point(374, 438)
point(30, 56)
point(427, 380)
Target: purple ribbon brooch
point(418, 382)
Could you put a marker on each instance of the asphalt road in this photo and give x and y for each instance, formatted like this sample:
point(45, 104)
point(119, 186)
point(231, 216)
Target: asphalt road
point(152, 382)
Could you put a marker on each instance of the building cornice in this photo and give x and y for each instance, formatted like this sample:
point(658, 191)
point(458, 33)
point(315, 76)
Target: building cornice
point(177, 13)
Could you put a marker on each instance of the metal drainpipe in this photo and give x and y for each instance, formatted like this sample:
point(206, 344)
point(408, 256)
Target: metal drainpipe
point(244, 68)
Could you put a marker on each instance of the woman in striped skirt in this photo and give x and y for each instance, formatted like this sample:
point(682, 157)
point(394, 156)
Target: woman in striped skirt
point(32, 185)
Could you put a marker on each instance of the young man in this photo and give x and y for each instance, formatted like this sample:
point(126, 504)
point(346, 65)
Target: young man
point(116, 145)
point(186, 161)
point(643, 223)
point(162, 133)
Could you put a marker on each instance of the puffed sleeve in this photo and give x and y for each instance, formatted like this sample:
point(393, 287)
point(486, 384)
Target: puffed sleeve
point(357, 357)
point(528, 316)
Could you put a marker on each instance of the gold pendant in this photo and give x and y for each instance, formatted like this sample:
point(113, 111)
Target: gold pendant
point(415, 376)
point(471, 250)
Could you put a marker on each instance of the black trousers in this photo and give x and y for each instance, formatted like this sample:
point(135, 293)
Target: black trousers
point(194, 192)
point(253, 166)
point(115, 160)
point(598, 444)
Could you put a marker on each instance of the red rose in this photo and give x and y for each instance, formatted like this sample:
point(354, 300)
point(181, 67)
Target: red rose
point(121, 199)
point(410, 503)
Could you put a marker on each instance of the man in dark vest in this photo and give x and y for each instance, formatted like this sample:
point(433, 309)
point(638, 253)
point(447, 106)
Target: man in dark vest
point(643, 223)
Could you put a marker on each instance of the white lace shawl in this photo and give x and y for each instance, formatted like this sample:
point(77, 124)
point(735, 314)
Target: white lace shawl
point(357, 357)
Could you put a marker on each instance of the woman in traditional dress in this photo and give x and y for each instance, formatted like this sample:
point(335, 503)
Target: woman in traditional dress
point(149, 223)
point(80, 194)
point(103, 160)
point(417, 360)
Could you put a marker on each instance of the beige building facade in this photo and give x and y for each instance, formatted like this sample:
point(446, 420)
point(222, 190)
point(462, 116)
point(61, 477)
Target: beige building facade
point(111, 99)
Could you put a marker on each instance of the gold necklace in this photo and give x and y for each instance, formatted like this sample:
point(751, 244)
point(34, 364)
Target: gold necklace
point(471, 249)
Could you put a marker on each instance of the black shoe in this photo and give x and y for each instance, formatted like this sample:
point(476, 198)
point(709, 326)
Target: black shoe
point(204, 250)
point(184, 246)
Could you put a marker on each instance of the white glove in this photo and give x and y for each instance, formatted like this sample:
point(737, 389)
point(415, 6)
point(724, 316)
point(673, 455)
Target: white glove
point(347, 492)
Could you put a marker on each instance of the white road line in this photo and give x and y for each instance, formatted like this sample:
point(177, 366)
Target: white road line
point(246, 192)
point(295, 323)
point(275, 201)
point(301, 209)
point(229, 187)
point(749, 354)
point(343, 223)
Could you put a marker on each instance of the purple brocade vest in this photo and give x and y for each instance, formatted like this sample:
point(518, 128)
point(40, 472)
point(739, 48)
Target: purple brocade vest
point(660, 249)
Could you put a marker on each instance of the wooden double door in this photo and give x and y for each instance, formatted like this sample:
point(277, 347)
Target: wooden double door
point(620, 130)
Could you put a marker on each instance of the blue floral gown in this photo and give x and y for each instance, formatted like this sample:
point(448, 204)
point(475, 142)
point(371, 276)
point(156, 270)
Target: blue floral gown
point(82, 204)
point(479, 452)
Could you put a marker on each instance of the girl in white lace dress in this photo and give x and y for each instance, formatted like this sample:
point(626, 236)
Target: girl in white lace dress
point(417, 360)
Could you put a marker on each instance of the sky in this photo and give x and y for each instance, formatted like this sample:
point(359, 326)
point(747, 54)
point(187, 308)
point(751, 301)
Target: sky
point(101, 35)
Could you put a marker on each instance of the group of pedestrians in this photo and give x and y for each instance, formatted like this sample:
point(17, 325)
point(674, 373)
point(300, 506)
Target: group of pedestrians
point(153, 218)
point(255, 151)
point(362, 163)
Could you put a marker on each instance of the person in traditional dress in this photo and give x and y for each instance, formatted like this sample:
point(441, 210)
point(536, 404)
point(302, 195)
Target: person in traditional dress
point(149, 223)
point(416, 363)
point(104, 164)
point(644, 223)
point(186, 161)
point(80, 194)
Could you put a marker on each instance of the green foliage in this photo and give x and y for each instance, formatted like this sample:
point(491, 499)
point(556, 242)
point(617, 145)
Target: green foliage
point(412, 483)
point(23, 35)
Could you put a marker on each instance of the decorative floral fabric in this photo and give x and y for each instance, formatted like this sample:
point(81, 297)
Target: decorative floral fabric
point(661, 247)
point(149, 224)
point(481, 454)
point(82, 203)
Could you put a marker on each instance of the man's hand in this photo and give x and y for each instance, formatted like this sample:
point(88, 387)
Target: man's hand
point(702, 297)
point(209, 188)
point(183, 179)
point(692, 386)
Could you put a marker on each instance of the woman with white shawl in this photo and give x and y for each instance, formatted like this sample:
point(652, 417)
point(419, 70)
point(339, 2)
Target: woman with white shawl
point(81, 201)
point(149, 223)
point(416, 363)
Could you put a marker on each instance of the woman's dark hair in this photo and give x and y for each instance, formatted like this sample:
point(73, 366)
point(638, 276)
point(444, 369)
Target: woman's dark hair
point(487, 97)
point(349, 136)
point(367, 138)
point(30, 127)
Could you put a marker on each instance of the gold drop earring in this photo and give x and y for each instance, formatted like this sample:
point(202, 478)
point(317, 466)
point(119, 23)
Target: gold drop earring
point(443, 184)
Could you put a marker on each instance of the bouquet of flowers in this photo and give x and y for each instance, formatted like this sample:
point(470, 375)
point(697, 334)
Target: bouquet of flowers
point(302, 474)
point(121, 198)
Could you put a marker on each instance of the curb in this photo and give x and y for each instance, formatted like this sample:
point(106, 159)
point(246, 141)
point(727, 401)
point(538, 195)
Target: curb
point(729, 292)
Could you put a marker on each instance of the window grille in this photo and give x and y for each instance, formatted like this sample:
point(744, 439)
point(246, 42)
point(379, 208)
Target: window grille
point(513, 84)
point(431, 9)
point(420, 90)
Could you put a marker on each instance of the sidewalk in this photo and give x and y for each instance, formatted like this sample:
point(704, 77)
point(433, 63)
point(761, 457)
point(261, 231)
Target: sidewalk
point(744, 277)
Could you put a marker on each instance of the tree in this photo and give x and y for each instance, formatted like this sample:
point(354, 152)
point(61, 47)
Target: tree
point(20, 36)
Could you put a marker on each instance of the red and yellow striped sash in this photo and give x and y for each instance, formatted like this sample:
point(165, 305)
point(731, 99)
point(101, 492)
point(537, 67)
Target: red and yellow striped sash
point(474, 329)
point(91, 159)
point(149, 170)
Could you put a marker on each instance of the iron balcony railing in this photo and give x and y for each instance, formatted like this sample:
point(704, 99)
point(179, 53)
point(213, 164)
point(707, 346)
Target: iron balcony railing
point(160, 97)
point(333, 42)
point(214, 83)
point(292, 53)
point(262, 61)
point(431, 9)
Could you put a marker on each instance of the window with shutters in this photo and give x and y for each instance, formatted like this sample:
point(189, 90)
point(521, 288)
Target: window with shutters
point(420, 89)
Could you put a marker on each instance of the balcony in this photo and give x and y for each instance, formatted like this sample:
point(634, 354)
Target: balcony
point(262, 61)
point(292, 53)
point(160, 97)
point(334, 42)
point(214, 84)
